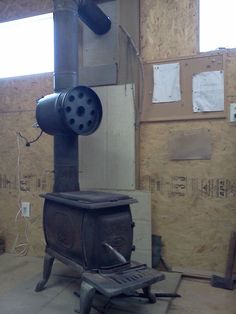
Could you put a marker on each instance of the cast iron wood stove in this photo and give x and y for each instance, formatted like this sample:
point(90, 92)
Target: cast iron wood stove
point(91, 231)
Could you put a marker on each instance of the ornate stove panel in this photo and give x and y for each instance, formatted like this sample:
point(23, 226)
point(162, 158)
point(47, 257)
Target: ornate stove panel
point(90, 228)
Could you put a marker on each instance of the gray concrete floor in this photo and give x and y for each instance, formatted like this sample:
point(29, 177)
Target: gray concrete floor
point(19, 275)
point(198, 297)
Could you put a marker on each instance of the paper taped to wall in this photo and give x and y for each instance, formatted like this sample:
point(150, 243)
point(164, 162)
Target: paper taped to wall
point(208, 91)
point(166, 79)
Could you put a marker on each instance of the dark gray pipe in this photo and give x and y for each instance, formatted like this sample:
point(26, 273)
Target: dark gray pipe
point(66, 24)
point(93, 17)
point(65, 18)
point(66, 165)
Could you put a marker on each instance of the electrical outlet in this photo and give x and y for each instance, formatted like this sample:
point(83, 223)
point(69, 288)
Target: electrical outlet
point(232, 115)
point(25, 209)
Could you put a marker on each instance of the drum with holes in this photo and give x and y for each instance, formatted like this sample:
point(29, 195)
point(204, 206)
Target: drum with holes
point(77, 110)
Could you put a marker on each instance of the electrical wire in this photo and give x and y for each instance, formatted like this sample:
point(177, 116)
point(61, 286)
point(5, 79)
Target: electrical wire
point(20, 249)
point(138, 78)
point(27, 142)
point(140, 62)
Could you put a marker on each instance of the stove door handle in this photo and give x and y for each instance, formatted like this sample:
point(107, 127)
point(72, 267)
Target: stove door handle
point(117, 254)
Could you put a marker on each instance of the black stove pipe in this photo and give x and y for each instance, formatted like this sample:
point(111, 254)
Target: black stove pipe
point(93, 17)
point(66, 164)
point(66, 24)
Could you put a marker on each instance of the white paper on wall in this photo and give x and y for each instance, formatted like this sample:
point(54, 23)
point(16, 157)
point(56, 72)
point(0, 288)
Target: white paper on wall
point(166, 79)
point(208, 91)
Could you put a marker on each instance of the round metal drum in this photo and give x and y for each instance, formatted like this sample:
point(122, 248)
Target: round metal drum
point(77, 110)
point(82, 110)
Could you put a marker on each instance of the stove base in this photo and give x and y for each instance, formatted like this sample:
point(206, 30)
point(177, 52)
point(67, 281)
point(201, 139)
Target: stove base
point(111, 282)
point(47, 269)
point(87, 293)
point(90, 287)
point(123, 280)
point(49, 257)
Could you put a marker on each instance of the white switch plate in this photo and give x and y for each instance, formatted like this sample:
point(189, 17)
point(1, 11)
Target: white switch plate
point(25, 209)
point(232, 114)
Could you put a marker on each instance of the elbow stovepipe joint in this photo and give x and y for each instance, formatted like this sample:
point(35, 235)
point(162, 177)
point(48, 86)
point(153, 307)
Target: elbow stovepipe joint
point(94, 17)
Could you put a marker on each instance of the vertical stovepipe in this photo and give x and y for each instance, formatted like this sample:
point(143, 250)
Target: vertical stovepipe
point(65, 17)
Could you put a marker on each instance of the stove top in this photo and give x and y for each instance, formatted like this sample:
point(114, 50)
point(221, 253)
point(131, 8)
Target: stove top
point(90, 199)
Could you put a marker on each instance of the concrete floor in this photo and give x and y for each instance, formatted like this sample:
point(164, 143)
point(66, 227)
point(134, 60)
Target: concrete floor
point(198, 297)
point(18, 276)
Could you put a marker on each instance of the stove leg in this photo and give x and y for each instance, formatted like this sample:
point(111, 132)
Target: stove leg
point(149, 295)
point(47, 268)
point(87, 293)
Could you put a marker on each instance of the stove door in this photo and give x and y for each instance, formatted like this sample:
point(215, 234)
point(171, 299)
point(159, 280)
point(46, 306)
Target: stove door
point(112, 226)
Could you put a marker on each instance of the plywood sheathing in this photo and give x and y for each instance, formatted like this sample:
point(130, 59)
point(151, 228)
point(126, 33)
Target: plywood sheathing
point(16, 9)
point(17, 114)
point(193, 201)
point(230, 76)
point(169, 28)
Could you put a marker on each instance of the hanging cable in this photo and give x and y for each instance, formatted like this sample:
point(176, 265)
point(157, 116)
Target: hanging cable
point(140, 62)
point(20, 249)
point(27, 142)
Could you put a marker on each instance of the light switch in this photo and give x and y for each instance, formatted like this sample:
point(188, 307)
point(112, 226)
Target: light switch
point(25, 209)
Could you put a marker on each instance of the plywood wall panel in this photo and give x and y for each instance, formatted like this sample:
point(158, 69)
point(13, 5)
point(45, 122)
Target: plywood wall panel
point(168, 28)
point(193, 201)
point(21, 93)
point(17, 114)
point(230, 76)
point(15, 9)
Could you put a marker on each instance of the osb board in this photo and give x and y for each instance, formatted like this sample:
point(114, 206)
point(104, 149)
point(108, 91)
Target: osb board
point(21, 93)
point(15, 9)
point(193, 201)
point(17, 114)
point(168, 28)
point(183, 109)
point(230, 75)
point(35, 176)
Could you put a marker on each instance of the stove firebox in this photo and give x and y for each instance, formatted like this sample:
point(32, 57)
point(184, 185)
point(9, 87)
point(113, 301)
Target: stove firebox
point(89, 228)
